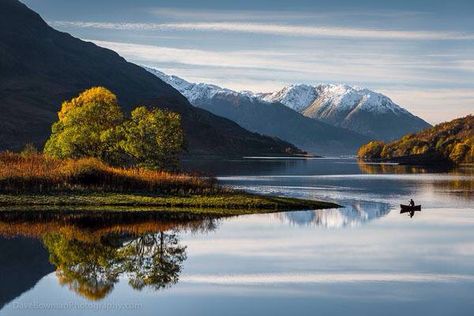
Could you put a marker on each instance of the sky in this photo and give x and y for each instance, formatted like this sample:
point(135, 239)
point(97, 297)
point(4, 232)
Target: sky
point(420, 53)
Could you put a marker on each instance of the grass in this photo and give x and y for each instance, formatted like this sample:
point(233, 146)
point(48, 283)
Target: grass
point(38, 173)
point(34, 182)
point(228, 203)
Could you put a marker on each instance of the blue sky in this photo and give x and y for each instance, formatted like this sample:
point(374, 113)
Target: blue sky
point(420, 53)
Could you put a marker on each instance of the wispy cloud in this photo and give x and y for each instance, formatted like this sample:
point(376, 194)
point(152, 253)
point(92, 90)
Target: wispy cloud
point(262, 15)
point(331, 278)
point(275, 29)
point(399, 77)
point(350, 66)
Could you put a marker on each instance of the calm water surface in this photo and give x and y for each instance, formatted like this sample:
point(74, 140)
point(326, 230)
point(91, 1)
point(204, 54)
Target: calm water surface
point(363, 259)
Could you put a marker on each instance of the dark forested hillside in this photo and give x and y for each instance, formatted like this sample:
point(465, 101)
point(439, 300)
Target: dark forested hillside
point(40, 67)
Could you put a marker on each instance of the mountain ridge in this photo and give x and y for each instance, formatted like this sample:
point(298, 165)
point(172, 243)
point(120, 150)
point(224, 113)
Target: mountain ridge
point(270, 118)
point(40, 67)
point(359, 109)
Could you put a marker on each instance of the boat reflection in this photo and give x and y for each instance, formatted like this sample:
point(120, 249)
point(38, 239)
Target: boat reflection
point(91, 260)
point(351, 215)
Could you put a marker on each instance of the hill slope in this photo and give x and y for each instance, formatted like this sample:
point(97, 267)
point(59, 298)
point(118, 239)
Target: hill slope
point(40, 67)
point(360, 110)
point(275, 119)
point(447, 142)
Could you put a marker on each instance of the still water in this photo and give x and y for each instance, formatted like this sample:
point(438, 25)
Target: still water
point(363, 259)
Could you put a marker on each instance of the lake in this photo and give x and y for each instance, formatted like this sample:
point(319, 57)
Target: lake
point(363, 259)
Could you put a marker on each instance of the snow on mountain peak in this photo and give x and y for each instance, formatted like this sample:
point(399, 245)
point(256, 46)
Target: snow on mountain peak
point(297, 96)
point(357, 109)
point(324, 99)
point(196, 91)
point(332, 97)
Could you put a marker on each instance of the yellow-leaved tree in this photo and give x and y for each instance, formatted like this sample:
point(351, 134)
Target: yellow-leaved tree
point(152, 138)
point(93, 125)
point(82, 125)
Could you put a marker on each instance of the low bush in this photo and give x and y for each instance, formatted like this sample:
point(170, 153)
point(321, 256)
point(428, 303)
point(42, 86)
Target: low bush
point(36, 172)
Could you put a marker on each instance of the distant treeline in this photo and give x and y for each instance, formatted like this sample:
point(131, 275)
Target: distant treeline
point(451, 142)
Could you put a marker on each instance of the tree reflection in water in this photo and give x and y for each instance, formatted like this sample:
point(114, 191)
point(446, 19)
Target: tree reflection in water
point(91, 261)
point(458, 181)
point(88, 269)
point(153, 260)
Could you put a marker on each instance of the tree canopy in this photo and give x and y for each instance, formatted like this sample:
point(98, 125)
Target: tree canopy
point(93, 125)
point(153, 138)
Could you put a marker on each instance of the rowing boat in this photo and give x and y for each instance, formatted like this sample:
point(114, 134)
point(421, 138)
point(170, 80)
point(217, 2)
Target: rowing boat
point(409, 208)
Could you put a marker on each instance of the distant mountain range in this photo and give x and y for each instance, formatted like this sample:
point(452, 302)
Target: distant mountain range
point(324, 119)
point(41, 67)
point(252, 112)
point(361, 110)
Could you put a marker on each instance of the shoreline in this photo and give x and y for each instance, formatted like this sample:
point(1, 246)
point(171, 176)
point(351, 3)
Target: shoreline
point(92, 204)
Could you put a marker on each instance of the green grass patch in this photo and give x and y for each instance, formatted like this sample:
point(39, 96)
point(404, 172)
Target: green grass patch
point(224, 203)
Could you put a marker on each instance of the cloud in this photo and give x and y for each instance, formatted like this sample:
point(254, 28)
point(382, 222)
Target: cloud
point(274, 29)
point(250, 15)
point(330, 65)
point(330, 278)
point(407, 79)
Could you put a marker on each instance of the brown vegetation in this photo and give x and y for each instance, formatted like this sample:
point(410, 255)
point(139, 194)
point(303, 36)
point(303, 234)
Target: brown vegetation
point(34, 172)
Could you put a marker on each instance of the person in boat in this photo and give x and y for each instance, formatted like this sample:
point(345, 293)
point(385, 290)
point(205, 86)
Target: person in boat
point(412, 203)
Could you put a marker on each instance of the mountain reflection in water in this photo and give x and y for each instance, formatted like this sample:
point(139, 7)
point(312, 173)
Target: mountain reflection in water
point(351, 215)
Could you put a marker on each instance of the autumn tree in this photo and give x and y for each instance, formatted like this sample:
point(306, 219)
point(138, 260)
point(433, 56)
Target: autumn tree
point(152, 138)
point(372, 150)
point(93, 125)
point(83, 125)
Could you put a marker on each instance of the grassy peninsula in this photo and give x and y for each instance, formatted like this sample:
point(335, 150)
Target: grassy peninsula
point(36, 182)
point(100, 159)
point(446, 143)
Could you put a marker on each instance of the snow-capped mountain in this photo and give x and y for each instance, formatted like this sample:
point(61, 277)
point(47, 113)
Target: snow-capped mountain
point(358, 109)
point(192, 91)
point(200, 92)
point(297, 97)
point(250, 111)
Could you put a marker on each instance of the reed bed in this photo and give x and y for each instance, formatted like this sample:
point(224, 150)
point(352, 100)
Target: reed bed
point(38, 173)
